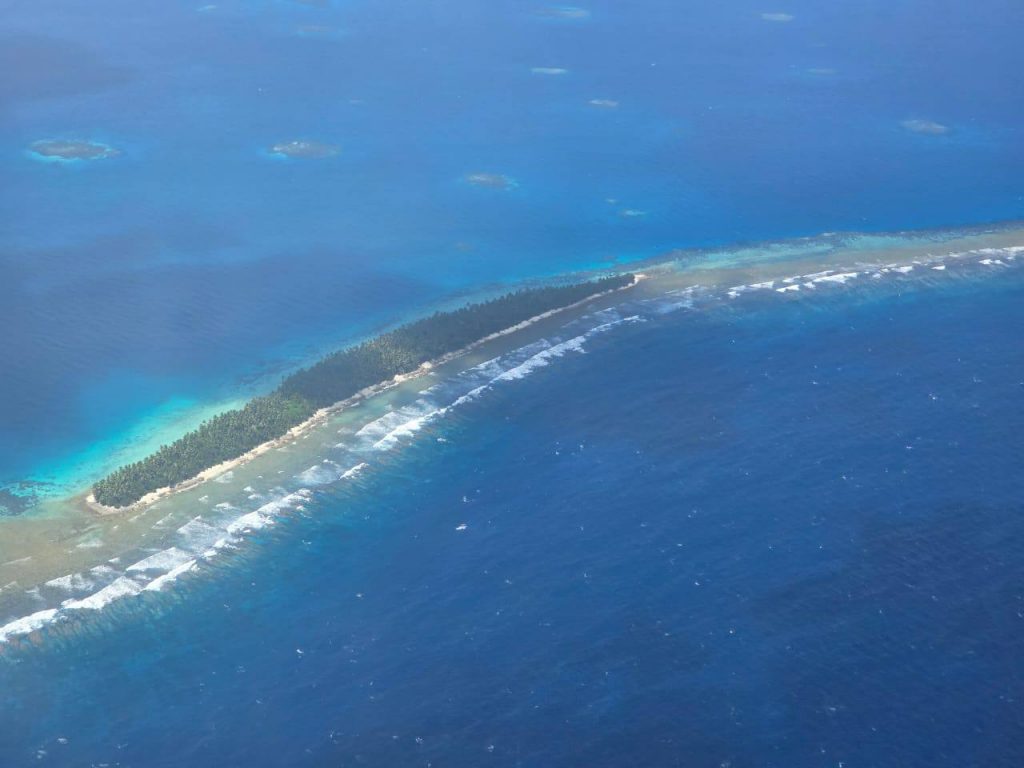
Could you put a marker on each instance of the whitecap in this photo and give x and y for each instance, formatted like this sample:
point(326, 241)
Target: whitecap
point(196, 535)
point(840, 278)
point(73, 582)
point(249, 522)
point(815, 275)
point(319, 474)
point(122, 587)
point(353, 471)
point(27, 624)
point(164, 560)
point(675, 300)
point(406, 429)
point(542, 359)
point(160, 582)
point(383, 433)
point(473, 394)
point(265, 515)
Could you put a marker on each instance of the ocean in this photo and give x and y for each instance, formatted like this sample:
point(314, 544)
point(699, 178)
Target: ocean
point(774, 530)
point(148, 289)
point(764, 509)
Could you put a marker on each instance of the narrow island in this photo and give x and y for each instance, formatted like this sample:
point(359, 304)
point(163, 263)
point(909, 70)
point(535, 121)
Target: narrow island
point(336, 378)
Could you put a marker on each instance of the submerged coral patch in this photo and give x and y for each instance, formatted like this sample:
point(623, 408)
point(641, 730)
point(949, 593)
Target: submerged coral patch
point(69, 150)
point(305, 149)
point(927, 127)
point(565, 12)
point(491, 180)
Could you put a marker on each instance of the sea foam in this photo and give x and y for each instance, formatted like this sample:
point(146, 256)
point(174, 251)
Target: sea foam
point(162, 561)
point(160, 582)
point(122, 587)
point(27, 624)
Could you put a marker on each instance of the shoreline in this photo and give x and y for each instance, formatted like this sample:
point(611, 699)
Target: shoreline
point(88, 499)
point(68, 547)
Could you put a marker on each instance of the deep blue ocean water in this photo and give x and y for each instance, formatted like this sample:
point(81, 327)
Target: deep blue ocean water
point(194, 267)
point(769, 532)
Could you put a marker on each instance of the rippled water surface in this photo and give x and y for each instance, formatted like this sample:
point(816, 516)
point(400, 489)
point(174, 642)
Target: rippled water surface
point(426, 148)
point(775, 529)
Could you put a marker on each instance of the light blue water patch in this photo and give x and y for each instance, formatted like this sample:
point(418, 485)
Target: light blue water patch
point(72, 474)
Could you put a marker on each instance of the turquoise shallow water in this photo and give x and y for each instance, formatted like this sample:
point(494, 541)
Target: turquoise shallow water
point(775, 530)
point(193, 267)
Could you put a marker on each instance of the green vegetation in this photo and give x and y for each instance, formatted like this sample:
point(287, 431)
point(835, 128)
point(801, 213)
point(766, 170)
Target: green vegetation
point(336, 377)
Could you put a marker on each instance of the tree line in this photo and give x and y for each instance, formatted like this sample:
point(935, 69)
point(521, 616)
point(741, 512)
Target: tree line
point(336, 377)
